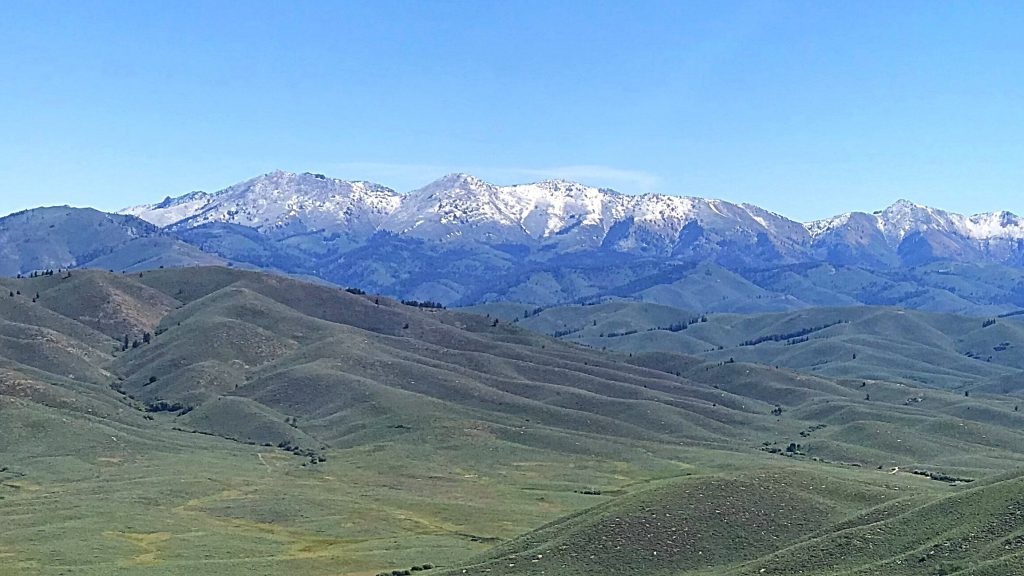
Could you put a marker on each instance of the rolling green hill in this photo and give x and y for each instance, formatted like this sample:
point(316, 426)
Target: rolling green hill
point(972, 289)
point(217, 421)
point(783, 522)
point(877, 343)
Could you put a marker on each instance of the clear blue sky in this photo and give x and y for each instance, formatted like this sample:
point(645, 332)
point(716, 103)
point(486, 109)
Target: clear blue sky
point(805, 108)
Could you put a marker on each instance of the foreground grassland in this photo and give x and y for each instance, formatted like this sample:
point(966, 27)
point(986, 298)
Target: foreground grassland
point(258, 425)
point(216, 508)
point(219, 508)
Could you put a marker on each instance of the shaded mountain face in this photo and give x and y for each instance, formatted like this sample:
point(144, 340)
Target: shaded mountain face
point(63, 237)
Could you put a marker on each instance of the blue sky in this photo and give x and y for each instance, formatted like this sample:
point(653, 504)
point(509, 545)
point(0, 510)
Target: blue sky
point(804, 108)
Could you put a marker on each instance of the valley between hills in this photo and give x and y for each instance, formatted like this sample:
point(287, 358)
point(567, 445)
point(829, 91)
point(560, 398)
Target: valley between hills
point(215, 421)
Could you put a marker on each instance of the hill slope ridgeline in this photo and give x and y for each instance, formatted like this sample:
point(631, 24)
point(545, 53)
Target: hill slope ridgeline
point(869, 342)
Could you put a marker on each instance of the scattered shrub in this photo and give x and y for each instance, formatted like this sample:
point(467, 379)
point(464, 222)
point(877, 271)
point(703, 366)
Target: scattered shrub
point(424, 304)
point(165, 406)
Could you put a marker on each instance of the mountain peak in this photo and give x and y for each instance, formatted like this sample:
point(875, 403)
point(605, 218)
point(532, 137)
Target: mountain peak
point(274, 175)
point(559, 182)
point(456, 178)
point(903, 205)
point(278, 175)
point(562, 185)
point(458, 183)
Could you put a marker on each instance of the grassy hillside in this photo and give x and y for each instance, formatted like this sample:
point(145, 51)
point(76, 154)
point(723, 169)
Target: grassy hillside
point(876, 343)
point(256, 424)
point(946, 287)
point(782, 522)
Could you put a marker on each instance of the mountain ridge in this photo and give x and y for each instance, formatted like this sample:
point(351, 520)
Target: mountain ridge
point(895, 221)
point(560, 216)
point(460, 241)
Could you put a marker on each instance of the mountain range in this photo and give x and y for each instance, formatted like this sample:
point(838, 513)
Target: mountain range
point(462, 241)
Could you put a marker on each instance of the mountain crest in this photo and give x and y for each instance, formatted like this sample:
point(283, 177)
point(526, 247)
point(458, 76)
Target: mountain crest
point(566, 217)
point(458, 180)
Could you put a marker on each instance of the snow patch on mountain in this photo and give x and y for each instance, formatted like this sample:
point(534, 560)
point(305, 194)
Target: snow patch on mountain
point(904, 218)
point(279, 201)
point(994, 225)
point(171, 210)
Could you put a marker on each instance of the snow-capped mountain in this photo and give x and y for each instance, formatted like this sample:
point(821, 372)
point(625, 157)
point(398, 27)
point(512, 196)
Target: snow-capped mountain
point(572, 216)
point(553, 213)
point(451, 239)
point(910, 233)
point(171, 210)
point(462, 240)
point(904, 218)
point(280, 204)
